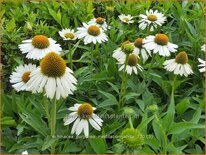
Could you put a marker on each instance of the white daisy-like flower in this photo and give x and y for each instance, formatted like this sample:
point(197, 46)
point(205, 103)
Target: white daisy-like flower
point(126, 18)
point(68, 34)
point(132, 65)
point(25, 152)
point(140, 50)
point(39, 46)
point(152, 19)
point(159, 44)
point(120, 55)
point(99, 21)
point(201, 65)
point(52, 76)
point(20, 77)
point(203, 47)
point(179, 65)
point(82, 115)
point(91, 33)
point(132, 62)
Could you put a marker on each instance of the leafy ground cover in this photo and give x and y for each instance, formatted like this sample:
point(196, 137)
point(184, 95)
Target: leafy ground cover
point(152, 112)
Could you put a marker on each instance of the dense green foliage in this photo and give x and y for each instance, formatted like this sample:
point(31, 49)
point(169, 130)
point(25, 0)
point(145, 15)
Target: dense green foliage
point(177, 129)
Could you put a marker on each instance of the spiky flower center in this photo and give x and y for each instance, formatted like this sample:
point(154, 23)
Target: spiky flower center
point(131, 137)
point(100, 20)
point(152, 18)
point(52, 65)
point(40, 42)
point(126, 19)
point(85, 111)
point(93, 30)
point(161, 39)
point(132, 60)
point(69, 35)
point(25, 77)
point(138, 42)
point(181, 58)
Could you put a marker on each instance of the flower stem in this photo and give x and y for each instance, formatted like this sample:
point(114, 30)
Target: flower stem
point(124, 84)
point(70, 57)
point(130, 122)
point(53, 124)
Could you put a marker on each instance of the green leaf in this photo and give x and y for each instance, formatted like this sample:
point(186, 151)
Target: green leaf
point(7, 121)
point(113, 86)
point(159, 132)
point(10, 25)
point(182, 106)
point(48, 142)
point(178, 128)
point(98, 145)
point(109, 96)
point(106, 103)
point(144, 123)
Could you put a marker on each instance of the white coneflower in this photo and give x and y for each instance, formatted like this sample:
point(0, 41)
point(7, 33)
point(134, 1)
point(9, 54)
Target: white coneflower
point(25, 152)
point(20, 77)
point(68, 34)
point(39, 46)
point(203, 47)
point(99, 21)
point(53, 76)
point(179, 65)
point(140, 50)
point(160, 44)
point(91, 33)
point(126, 18)
point(82, 115)
point(120, 54)
point(152, 19)
point(132, 64)
point(201, 65)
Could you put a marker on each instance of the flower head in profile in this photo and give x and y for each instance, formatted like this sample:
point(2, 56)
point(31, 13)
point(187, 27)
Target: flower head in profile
point(201, 65)
point(99, 21)
point(179, 65)
point(140, 50)
point(203, 48)
point(39, 46)
point(132, 138)
point(68, 34)
point(21, 76)
point(82, 115)
point(160, 44)
point(126, 54)
point(152, 19)
point(126, 18)
point(53, 76)
point(91, 34)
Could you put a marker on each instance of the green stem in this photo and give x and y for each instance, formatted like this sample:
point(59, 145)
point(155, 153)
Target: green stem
point(173, 90)
point(148, 29)
point(53, 124)
point(70, 56)
point(124, 84)
point(130, 122)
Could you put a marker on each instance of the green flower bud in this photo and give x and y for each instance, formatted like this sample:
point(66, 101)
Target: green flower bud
point(128, 111)
point(152, 107)
point(131, 138)
point(127, 47)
